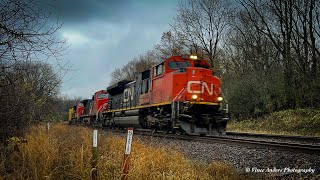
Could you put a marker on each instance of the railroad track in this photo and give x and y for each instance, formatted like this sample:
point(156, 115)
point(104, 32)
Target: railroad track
point(284, 137)
point(261, 144)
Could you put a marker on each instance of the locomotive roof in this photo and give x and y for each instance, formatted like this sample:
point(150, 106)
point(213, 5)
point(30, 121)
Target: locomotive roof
point(125, 81)
point(117, 87)
point(181, 57)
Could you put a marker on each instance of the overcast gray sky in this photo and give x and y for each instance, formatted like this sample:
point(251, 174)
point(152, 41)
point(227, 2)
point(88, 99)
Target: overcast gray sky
point(104, 34)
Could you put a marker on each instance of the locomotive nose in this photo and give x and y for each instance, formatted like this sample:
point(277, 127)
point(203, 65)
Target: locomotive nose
point(202, 85)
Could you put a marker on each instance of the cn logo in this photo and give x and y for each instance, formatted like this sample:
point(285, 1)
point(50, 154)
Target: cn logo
point(128, 94)
point(203, 86)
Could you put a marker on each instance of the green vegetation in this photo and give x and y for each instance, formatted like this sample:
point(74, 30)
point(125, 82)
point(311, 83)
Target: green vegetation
point(291, 122)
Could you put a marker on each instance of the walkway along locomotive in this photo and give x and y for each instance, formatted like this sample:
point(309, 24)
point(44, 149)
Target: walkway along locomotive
point(179, 95)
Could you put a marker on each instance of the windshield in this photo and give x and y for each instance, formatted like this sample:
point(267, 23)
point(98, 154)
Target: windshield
point(203, 64)
point(176, 65)
point(102, 96)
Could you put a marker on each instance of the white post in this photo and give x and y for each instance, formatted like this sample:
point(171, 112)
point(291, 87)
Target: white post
point(47, 127)
point(129, 141)
point(95, 138)
point(127, 151)
point(94, 154)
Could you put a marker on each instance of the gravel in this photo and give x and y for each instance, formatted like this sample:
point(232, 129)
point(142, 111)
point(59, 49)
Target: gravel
point(243, 158)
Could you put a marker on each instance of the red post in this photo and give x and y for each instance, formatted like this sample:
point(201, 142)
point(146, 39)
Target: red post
point(125, 167)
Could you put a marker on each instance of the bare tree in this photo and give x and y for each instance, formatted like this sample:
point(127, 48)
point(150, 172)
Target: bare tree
point(291, 27)
point(252, 69)
point(202, 24)
point(130, 70)
point(27, 97)
point(27, 36)
point(60, 107)
point(116, 76)
point(170, 45)
point(25, 32)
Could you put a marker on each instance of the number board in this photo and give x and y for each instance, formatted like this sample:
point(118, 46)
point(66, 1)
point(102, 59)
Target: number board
point(95, 138)
point(129, 141)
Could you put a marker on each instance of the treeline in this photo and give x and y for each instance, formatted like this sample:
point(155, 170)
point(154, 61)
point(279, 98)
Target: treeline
point(265, 52)
point(28, 86)
point(273, 60)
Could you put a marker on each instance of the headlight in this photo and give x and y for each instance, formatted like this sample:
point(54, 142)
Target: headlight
point(194, 96)
point(193, 57)
point(220, 98)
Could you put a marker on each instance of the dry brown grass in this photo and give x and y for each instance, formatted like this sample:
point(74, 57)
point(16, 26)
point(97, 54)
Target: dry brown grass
point(66, 153)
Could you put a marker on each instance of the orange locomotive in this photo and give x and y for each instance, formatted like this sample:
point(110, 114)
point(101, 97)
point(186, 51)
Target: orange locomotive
point(89, 110)
point(179, 95)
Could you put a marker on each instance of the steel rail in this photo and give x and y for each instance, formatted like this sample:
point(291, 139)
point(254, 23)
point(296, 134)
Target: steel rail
point(261, 144)
point(274, 136)
point(286, 146)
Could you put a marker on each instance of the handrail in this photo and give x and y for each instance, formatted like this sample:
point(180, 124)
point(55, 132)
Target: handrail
point(179, 94)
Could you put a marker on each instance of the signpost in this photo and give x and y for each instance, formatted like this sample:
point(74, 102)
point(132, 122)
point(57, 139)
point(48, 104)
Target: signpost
point(125, 168)
point(47, 127)
point(94, 155)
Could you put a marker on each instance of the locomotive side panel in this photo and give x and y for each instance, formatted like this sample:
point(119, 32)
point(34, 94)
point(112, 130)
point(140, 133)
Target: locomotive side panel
point(166, 88)
point(179, 81)
point(129, 99)
point(116, 102)
point(157, 83)
point(163, 86)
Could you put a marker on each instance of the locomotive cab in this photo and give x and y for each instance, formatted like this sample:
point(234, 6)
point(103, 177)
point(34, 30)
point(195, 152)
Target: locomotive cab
point(100, 101)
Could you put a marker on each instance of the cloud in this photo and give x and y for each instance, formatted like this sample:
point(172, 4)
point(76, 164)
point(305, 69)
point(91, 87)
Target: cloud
point(105, 34)
point(75, 38)
point(79, 11)
point(96, 32)
point(86, 90)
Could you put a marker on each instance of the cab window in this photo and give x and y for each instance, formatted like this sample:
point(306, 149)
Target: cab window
point(158, 70)
point(178, 65)
point(102, 96)
point(202, 64)
point(145, 86)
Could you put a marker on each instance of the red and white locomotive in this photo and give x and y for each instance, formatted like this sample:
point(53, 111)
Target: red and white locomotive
point(89, 110)
point(179, 95)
